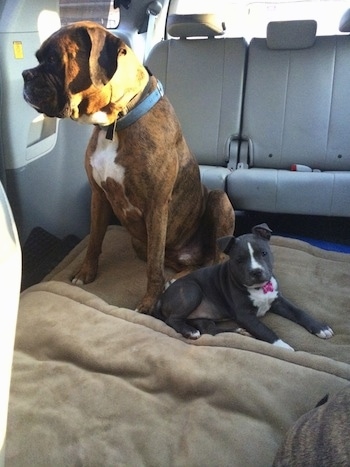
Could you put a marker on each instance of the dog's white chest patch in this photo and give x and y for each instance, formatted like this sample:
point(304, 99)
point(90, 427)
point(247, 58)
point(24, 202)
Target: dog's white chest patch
point(263, 297)
point(103, 160)
point(104, 166)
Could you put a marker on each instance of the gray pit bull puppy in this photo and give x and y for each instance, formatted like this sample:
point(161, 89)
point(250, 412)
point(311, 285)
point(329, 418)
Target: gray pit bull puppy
point(242, 289)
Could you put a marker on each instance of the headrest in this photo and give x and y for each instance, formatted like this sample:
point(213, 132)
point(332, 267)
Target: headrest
point(283, 35)
point(196, 25)
point(344, 25)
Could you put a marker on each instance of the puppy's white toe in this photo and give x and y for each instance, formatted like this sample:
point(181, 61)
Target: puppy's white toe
point(193, 335)
point(325, 333)
point(284, 345)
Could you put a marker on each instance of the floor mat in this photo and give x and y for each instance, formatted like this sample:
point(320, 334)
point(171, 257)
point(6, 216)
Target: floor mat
point(42, 251)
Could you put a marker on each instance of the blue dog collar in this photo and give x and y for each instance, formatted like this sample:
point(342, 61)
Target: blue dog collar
point(137, 112)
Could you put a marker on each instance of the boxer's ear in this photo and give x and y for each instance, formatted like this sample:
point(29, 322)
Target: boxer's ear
point(226, 243)
point(105, 50)
point(262, 230)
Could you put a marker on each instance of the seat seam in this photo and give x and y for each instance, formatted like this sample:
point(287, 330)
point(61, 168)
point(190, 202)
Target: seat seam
point(285, 109)
point(335, 53)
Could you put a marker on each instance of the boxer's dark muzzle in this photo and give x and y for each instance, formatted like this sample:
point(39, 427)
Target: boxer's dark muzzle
point(45, 94)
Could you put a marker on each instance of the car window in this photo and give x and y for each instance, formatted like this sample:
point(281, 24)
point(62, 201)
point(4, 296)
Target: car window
point(102, 12)
point(247, 18)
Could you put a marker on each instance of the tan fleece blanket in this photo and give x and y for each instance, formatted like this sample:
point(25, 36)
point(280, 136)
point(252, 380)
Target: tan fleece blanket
point(95, 383)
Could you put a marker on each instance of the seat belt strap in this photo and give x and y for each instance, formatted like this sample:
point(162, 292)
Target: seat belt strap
point(153, 10)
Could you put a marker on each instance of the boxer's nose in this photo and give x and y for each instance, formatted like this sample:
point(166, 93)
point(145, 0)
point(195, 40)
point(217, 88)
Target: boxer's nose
point(27, 75)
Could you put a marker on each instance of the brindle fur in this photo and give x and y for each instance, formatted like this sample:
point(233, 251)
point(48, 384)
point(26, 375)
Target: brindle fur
point(320, 437)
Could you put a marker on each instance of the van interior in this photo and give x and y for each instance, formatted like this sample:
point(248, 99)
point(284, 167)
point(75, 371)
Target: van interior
point(261, 91)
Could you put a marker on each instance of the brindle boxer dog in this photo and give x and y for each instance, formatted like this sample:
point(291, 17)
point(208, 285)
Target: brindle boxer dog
point(138, 164)
point(319, 437)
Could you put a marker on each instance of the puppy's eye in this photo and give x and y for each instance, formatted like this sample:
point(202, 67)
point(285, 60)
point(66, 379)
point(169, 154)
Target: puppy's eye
point(263, 253)
point(239, 259)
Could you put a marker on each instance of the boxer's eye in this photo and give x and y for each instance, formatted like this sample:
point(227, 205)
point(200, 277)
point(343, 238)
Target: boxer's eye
point(263, 253)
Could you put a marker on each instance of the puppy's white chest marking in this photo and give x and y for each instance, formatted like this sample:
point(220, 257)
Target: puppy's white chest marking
point(263, 297)
point(103, 160)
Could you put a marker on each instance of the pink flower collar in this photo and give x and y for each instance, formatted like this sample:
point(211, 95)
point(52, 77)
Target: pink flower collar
point(268, 287)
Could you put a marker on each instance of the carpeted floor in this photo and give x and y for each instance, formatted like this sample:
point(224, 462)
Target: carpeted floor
point(41, 252)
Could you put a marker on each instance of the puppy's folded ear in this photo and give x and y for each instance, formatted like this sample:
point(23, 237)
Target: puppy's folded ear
point(105, 50)
point(262, 230)
point(226, 243)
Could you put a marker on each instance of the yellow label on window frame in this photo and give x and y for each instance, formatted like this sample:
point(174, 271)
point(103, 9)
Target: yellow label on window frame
point(18, 49)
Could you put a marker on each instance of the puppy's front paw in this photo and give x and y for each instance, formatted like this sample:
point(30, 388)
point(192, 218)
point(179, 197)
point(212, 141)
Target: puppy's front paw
point(325, 333)
point(284, 345)
point(183, 328)
point(195, 334)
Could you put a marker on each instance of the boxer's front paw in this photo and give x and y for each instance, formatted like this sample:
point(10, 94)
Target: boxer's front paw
point(147, 304)
point(86, 274)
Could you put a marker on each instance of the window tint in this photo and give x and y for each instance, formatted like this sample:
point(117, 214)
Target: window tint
point(102, 12)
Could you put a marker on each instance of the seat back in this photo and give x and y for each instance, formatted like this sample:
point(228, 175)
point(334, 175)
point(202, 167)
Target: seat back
point(297, 99)
point(203, 78)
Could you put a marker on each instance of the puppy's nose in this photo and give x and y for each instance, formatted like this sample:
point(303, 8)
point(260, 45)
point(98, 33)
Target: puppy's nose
point(256, 273)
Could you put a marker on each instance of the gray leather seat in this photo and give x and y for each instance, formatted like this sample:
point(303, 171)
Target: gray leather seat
point(296, 111)
point(203, 78)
